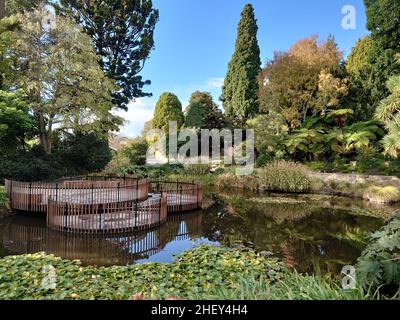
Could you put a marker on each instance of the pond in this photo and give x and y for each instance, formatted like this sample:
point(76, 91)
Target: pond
point(307, 232)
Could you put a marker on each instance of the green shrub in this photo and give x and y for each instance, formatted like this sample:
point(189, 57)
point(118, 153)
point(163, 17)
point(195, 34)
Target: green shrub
point(388, 194)
point(197, 169)
point(379, 264)
point(219, 171)
point(231, 180)
point(136, 151)
point(3, 196)
point(263, 160)
point(152, 172)
point(285, 176)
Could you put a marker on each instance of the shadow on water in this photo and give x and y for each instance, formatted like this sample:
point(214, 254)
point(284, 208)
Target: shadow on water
point(305, 231)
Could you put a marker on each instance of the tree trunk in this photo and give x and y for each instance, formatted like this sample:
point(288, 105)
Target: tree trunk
point(44, 135)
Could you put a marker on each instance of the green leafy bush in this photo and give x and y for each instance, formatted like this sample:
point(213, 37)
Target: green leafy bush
point(285, 176)
point(379, 264)
point(136, 151)
point(151, 172)
point(3, 196)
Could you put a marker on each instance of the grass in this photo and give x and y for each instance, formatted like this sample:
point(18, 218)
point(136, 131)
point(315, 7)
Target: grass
point(286, 176)
point(281, 176)
point(388, 194)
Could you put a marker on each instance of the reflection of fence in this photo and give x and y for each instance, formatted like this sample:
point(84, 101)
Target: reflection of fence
point(105, 204)
point(30, 235)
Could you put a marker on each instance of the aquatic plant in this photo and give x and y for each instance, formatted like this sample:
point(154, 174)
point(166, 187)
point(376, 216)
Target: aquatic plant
point(194, 272)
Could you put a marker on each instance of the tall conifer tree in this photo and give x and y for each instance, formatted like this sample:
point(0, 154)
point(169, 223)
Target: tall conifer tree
point(239, 93)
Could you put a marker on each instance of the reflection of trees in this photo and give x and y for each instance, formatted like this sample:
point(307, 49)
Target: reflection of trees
point(29, 235)
point(300, 233)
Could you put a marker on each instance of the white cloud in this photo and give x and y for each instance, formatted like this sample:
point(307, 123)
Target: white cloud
point(139, 112)
point(214, 83)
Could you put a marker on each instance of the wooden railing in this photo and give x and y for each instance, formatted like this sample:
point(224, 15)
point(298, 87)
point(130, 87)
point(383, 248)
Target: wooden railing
point(34, 196)
point(107, 217)
point(108, 205)
point(182, 196)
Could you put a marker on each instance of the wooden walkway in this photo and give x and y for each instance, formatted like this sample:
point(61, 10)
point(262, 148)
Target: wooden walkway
point(112, 205)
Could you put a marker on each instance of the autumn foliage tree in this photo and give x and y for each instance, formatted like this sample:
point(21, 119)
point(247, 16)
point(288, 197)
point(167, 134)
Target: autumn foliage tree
point(295, 83)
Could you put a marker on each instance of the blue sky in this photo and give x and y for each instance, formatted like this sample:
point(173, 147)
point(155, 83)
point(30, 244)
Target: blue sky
point(194, 41)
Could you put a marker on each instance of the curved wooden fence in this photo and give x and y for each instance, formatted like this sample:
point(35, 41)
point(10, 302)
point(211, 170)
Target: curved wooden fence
point(106, 205)
point(182, 196)
point(34, 196)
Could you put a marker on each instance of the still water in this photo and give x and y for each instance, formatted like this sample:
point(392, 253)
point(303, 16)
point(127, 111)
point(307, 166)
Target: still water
point(305, 231)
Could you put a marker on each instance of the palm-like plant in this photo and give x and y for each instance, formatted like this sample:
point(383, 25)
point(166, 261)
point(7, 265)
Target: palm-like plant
point(308, 141)
point(353, 138)
point(388, 113)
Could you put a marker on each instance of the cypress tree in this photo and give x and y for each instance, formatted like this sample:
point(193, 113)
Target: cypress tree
point(168, 108)
point(240, 89)
point(203, 112)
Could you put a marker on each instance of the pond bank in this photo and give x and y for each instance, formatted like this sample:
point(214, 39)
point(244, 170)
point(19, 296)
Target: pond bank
point(376, 189)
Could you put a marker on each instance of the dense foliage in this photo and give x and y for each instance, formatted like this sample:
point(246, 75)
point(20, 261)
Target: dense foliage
point(203, 113)
point(122, 32)
point(3, 196)
point(239, 92)
point(74, 95)
point(303, 81)
point(388, 113)
point(384, 24)
point(379, 263)
point(362, 97)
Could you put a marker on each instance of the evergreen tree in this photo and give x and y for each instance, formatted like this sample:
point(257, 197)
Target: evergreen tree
point(239, 93)
point(122, 31)
point(362, 95)
point(195, 115)
point(384, 23)
point(203, 112)
point(168, 108)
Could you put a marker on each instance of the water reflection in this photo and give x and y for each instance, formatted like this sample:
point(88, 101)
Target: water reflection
point(27, 234)
point(305, 231)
